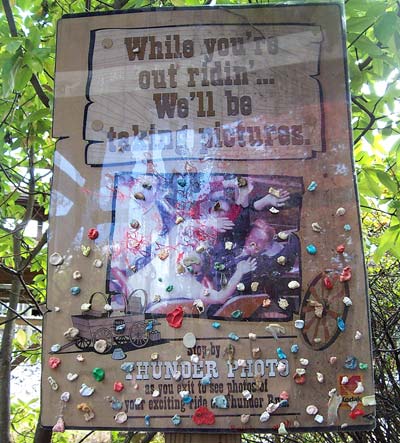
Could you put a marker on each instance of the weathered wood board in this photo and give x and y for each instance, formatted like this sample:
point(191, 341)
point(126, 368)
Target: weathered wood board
point(204, 183)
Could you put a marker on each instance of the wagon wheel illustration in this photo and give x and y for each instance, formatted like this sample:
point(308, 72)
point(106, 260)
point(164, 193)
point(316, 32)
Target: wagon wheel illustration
point(139, 336)
point(104, 334)
point(321, 309)
point(82, 342)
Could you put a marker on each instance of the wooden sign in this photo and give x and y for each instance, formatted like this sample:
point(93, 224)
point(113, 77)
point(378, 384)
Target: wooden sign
point(205, 258)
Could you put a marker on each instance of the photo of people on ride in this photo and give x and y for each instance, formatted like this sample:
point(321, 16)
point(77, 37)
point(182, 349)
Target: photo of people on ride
point(220, 245)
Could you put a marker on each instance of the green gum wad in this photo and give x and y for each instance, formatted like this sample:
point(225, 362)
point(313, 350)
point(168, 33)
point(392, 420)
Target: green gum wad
point(98, 374)
point(237, 314)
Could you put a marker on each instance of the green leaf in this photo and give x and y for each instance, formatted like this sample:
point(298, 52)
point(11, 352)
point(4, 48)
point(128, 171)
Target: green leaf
point(378, 67)
point(386, 26)
point(10, 67)
point(386, 132)
point(41, 53)
point(34, 37)
point(356, 5)
point(186, 2)
point(22, 77)
point(24, 4)
point(13, 44)
point(35, 116)
point(372, 187)
point(133, 4)
point(386, 179)
point(39, 277)
point(397, 40)
point(376, 9)
point(21, 338)
point(368, 47)
point(359, 24)
point(386, 242)
point(363, 200)
point(33, 62)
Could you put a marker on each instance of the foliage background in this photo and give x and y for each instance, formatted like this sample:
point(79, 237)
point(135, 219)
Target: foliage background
point(27, 54)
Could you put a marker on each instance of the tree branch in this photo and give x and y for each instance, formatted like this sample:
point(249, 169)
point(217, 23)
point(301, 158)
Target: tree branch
point(10, 18)
point(371, 116)
point(39, 91)
point(129, 436)
point(85, 437)
point(16, 96)
point(361, 34)
point(377, 210)
point(119, 4)
point(21, 358)
point(387, 350)
point(14, 33)
point(42, 435)
point(16, 186)
point(28, 292)
point(148, 437)
point(365, 63)
point(32, 254)
point(19, 316)
point(104, 4)
point(30, 204)
point(8, 270)
point(15, 316)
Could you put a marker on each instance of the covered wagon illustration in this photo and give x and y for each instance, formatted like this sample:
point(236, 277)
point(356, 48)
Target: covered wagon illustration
point(110, 328)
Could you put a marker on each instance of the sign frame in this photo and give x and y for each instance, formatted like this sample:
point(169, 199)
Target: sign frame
point(84, 260)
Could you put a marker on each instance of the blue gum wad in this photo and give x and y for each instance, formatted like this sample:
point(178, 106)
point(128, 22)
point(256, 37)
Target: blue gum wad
point(187, 399)
point(116, 404)
point(220, 401)
point(311, 249)
point(237, 314)
point(341, 324)
point(281, 354)
point(351, 362)
point(149, 326)
point(176, 419)
point(312, 186)
point(205, 380)
point(75, 290)
point(128, 367)
point(233, 336)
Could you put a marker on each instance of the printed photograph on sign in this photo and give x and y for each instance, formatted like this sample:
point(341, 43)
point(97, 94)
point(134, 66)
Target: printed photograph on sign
point(225, 242)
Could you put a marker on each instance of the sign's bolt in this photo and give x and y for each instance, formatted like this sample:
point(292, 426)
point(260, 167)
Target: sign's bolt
point(97, 125)
point(107, 43)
